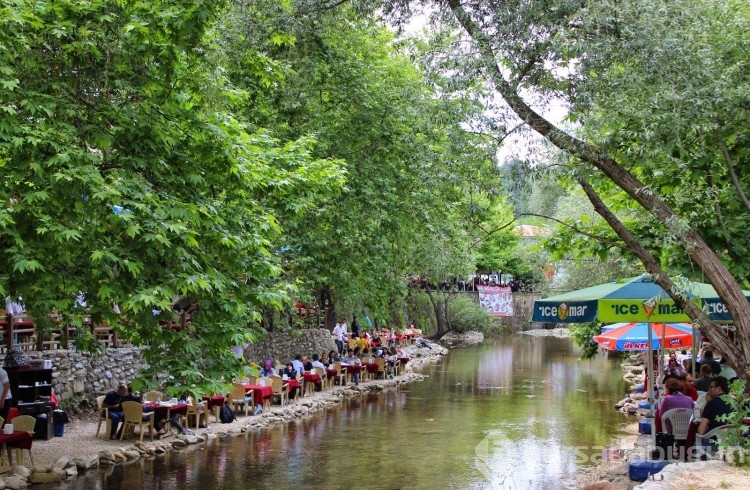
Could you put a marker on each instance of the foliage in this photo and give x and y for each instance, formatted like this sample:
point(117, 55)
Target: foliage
point(130, 176)
point(464, 314)
point(583, 336)
point(735, 443)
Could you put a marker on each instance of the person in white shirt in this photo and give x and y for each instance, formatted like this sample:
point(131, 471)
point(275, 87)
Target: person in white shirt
point(317, 364)
point(298, 366)
point(339, 335)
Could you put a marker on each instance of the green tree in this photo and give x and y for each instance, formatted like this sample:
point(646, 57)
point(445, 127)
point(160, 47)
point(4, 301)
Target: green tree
point(581, 54)
point(409, 162)
point(129, 176)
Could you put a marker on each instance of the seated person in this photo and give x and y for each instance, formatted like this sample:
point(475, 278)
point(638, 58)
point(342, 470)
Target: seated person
point(112, 402)
point(726, 370)
point(333, 356)
point(267, 369)
point(675, 398)
point(673, 370)
point(290, 373)
point(716, 406)
point(702, 383)
point(352, 358)
point(317, 364)
point(689, 389)
point(298, 365)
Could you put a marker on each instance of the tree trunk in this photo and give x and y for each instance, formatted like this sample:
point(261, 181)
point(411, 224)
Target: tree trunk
point(699, 252)
point(439, 309)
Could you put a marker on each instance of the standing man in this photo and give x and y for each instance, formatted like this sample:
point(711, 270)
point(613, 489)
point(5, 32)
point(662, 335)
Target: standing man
point(6, 398)
point(339, 335)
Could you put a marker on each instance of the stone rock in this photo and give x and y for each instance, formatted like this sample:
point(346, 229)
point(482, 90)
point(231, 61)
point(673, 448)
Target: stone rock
point(15, 482)
point(61, 462)
point(44, 477)
point(131, 455)
point(21, 471)
point(86, 462)
point(180, 443)
point(454, 339)
point(71, 471)
point(106, 454)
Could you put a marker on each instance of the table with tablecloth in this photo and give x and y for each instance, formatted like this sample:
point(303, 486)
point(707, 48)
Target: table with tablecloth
point(352, 368)
point(20, 439)
point(311, 378)
point(214, 402)
point(371, 367)
point(260, 393)
point(165, 411)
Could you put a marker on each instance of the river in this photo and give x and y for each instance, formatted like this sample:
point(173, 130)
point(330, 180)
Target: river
point(517, 412)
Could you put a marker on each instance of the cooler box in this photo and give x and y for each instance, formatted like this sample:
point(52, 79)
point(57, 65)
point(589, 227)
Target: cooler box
point(645, 405)
point(59, 418)
point(639, 389)
point(644, 426)
point(640, 469)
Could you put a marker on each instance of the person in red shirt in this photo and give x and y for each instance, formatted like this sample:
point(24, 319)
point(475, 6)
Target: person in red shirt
point(688, 387)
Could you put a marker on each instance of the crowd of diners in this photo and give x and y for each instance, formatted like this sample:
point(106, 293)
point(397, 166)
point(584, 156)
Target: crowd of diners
point(706, 393)
point(351, 349)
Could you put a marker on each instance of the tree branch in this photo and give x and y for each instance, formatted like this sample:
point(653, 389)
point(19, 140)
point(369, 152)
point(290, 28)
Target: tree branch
point(712, 331)
point(733, 176)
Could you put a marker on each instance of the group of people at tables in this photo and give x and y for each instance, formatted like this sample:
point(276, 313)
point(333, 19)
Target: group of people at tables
point(113, 402)
point(706, 396)
point(302, 367)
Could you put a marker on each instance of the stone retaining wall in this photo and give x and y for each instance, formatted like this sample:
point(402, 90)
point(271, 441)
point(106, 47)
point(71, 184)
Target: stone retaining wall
point(283, 346)
point(77, 375)
point(83, 376)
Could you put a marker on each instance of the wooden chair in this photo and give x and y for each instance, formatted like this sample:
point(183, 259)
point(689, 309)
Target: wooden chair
point(279, 390)
point(133, 417)
point(266, 382)
point(252, 380)
point(27, 423)
point(195, 410)
point(103, 417)
point(152, 396)
point(239, 399)
point(381, 367)
point(342, 377)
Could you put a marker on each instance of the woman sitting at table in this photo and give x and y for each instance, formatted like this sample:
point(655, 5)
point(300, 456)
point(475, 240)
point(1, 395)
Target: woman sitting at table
point(333, 356)
point(290, 373)
point(325, 359)
point(267, 369)
point(675, 398)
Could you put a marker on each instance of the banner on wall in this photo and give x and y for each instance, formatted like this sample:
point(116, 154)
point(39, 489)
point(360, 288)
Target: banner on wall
point(496, 300)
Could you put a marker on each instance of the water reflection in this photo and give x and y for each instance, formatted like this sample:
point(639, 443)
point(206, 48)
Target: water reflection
point(503, 415)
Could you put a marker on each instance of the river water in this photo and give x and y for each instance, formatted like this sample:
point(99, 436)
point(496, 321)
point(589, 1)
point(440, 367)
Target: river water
point(518, 412)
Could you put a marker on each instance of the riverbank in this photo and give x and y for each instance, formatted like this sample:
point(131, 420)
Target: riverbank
point(613, 475)
point(80, 450)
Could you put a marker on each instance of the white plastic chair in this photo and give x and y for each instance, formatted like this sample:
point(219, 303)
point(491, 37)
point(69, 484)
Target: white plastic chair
point(679, 419)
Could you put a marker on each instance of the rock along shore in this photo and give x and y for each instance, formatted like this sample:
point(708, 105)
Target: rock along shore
point(80, 450)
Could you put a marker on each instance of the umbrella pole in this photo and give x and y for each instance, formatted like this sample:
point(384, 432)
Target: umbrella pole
point(651, 386)
point(694, 351)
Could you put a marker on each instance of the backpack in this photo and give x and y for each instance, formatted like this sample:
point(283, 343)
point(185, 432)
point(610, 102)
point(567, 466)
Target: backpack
point(226, 415)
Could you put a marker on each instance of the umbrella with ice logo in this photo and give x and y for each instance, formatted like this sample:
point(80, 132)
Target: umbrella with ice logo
point(638, 299)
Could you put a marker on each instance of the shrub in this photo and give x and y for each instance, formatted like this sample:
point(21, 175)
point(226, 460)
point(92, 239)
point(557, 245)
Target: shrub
point(464, 314)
